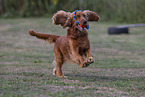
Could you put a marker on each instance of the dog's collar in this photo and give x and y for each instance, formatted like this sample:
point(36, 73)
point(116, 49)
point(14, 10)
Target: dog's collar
point(83, 26)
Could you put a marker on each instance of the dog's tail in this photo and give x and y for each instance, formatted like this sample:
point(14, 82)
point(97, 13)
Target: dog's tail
point(46, 37)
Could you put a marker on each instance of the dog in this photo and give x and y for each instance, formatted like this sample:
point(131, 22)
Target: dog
point(73, 46)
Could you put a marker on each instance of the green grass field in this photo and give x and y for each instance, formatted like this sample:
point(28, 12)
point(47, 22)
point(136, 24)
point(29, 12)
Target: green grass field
point(26, 70)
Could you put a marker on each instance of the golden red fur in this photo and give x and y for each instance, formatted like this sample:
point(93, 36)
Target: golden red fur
point(74, 45)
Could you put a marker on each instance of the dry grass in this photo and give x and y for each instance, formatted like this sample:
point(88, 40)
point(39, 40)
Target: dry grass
point(26, 70)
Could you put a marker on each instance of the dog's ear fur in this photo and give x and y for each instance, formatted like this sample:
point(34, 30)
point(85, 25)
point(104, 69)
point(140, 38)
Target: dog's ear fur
point(62, 18)
point(91, 16)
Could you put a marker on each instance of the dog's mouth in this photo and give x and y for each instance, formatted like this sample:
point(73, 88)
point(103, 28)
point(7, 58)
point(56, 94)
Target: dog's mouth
point(83, 27)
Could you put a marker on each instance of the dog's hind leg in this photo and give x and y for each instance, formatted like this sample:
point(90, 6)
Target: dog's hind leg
point(58, 62)
point(54, 70)
point(58, 69)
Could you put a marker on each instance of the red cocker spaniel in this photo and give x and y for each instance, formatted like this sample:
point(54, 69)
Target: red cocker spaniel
point(73, 46)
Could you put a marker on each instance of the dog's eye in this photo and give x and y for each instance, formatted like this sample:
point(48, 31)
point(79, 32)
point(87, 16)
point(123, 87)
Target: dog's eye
point(78, 16)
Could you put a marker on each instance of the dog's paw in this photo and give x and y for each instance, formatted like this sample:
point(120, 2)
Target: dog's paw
point(54, 71)
point(87, 62)
point(90, 60)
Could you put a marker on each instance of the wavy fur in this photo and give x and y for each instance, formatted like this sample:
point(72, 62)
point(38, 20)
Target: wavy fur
point(75, 44)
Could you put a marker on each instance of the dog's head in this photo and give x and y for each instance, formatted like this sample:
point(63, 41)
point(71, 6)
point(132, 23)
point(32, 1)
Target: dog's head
point(78, 18)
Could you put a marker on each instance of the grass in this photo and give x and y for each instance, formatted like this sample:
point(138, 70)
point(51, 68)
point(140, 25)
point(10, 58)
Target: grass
point(26, 70)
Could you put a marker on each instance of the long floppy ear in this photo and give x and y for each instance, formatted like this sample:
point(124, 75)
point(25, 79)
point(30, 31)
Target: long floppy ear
point(91, 16)
point(62, 18)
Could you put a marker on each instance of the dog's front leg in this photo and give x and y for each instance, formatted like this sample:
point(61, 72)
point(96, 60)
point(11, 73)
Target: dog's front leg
point(77, 57)
point(89, 59)
point(74, 52)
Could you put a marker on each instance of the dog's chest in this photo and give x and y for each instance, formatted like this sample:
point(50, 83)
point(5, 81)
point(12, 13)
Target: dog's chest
point(81, 43)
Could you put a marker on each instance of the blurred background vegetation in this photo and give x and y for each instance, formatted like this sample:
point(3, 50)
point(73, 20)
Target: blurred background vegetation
point(128, 11)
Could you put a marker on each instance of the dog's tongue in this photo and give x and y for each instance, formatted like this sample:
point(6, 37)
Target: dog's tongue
point(83, 26)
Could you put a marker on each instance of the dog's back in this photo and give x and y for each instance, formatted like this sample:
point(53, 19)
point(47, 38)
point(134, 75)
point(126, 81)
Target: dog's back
point(75, 45)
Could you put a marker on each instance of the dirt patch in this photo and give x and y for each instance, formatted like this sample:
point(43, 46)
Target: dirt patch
point(114, 53)
point(54, 89)
point(113, 92)
point(8, 63)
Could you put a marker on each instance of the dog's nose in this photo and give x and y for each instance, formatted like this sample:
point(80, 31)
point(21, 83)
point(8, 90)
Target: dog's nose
point(84, 22)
